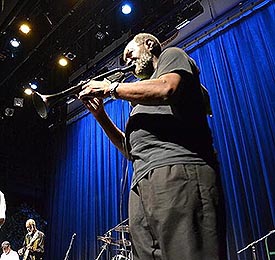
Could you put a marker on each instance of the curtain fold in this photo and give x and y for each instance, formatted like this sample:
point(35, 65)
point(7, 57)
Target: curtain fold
point(238, 68)
point(87, 191)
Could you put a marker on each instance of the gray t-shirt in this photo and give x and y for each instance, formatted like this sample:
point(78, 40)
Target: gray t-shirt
point(178, 133)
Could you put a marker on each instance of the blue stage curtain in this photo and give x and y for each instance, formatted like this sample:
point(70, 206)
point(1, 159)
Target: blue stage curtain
point(237, 66)
point(87, 196)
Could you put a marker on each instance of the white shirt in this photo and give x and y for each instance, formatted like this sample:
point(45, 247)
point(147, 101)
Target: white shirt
point(12, 255)
point(2, 205)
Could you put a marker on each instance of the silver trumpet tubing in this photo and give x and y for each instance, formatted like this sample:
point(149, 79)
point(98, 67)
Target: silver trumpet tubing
point(44, 103)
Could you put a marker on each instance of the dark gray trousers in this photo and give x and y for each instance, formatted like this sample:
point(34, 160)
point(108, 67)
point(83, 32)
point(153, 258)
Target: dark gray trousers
point(177, 213)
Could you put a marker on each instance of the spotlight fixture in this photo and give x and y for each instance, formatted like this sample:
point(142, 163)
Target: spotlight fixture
point(100, 35)
point(14, 43)
point(25, 28)
point(33, 85)
point(18, 102)
point(103, 31)
point(70, 55)
point(9, 111)
point(63, 62)
point(126, 9)
point(28, 91)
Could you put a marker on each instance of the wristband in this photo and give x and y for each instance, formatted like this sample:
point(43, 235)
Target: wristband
point(113, 86)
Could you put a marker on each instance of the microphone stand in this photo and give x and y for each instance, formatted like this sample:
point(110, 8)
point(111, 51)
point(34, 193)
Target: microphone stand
point(252, 245)
point(70, 246)
point(104, 247)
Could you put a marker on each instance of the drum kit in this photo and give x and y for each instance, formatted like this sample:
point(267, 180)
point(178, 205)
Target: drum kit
point(120, 246)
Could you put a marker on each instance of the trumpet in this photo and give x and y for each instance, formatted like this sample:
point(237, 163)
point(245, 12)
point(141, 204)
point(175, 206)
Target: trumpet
point(44, 103)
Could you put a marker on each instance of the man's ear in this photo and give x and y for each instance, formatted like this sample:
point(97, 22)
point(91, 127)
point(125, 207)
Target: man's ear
point(149, 44)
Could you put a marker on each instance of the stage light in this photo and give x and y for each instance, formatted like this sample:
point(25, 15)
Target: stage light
point(69, 55)
point(126, 9)
point(33, 85)
point(28, 91)
point(18, 102)
point(63, 62)
point(100, 35)
point(14, 43)
point(25, 28)
point(9, 112)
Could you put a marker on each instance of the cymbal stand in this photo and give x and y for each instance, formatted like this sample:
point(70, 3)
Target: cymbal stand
point(252, 245)
point(108, 234)
point(112, 229)
point(123, 238)
point(104, 247)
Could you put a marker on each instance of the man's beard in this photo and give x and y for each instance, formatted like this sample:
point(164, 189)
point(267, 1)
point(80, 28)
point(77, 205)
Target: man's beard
point(144, 66)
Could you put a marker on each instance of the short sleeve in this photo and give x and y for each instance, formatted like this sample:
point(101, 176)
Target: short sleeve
point(174, 59)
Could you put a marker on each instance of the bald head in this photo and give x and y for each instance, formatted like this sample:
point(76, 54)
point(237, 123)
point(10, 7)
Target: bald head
point(143, 51)
point(30, 225)
point(144, 38)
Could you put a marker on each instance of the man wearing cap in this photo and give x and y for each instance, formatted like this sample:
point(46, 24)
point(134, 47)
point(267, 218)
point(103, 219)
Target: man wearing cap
point(2, 209)
point(8, 253)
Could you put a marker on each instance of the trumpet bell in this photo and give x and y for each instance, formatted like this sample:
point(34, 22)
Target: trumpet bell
point(44, 103)
point(40, 104)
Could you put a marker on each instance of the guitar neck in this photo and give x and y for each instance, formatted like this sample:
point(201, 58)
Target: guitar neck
point(26, 254)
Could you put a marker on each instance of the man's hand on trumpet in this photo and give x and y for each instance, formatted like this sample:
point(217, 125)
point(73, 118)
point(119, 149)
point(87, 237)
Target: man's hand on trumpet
point(92, 95)
point(98, 89)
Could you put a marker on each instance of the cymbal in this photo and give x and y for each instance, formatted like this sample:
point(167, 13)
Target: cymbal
point(108, 240)
point(124, 242)
point(122, 228)
point(123, 250)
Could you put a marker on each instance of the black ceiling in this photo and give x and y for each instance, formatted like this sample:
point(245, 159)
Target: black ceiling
point(64, 26)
